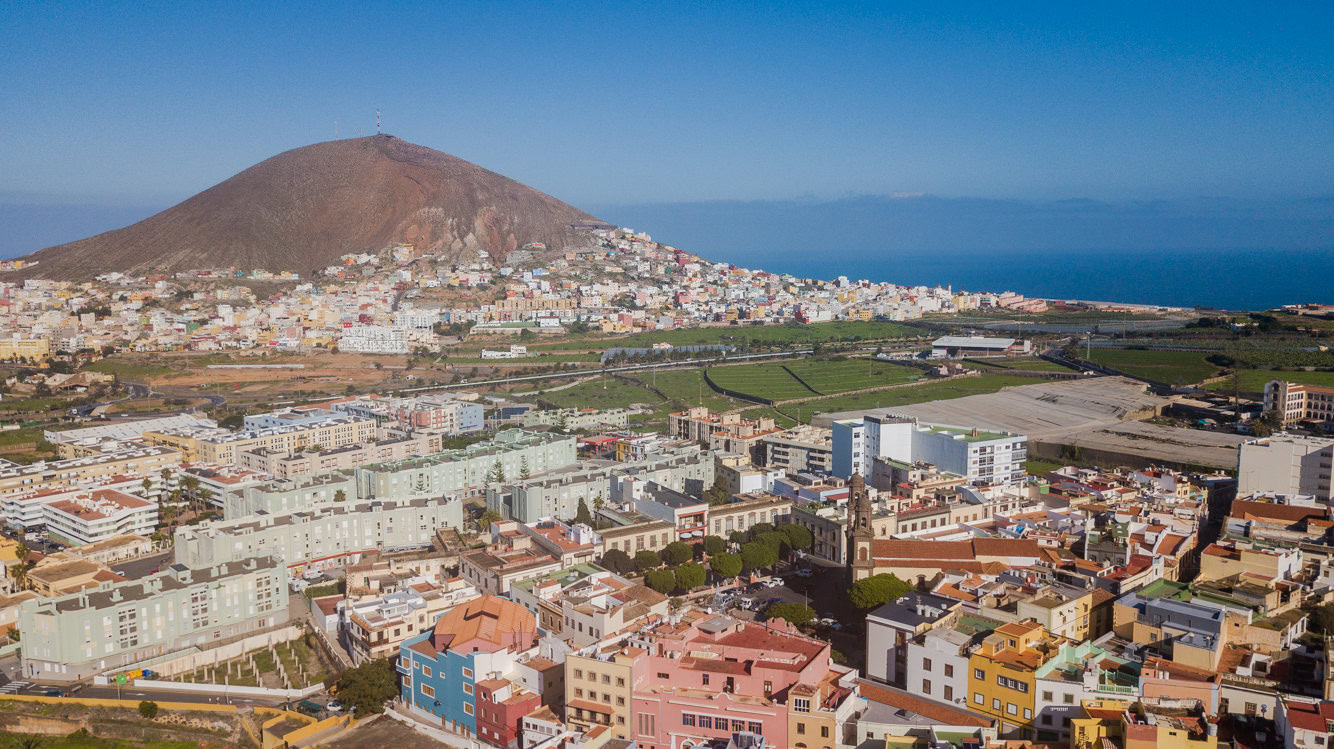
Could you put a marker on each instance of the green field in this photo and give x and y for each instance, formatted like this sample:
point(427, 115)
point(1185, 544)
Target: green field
point(605, 392)
point(1031, 363)
point(930, 391)
point(126, 368)
point(770, 381)
point(1253, 380)
point(829, 377)
point(1040, 467)
point(1171, 367)
point(685, 388)
point(774, 335)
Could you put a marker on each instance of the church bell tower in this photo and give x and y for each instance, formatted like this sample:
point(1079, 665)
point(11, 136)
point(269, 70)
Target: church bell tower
point(860, 535)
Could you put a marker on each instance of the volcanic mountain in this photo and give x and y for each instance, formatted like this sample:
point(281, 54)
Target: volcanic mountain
point(303, 209)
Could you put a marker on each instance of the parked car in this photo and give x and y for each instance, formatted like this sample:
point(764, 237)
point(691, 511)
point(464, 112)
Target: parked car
point(53, 693)
point(805, 572)
point(772, 582)
point(334, 706)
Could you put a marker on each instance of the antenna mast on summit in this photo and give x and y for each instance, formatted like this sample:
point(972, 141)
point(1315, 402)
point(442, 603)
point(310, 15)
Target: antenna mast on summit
point(377, 121)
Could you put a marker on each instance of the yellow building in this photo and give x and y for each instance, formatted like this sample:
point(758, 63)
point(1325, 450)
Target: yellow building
point(24, 348)
point(1062, 614)
point(1003, 674)
point(599, 691)
point(1141, 726)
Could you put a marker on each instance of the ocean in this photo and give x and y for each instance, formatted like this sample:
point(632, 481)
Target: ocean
point(1224, 279)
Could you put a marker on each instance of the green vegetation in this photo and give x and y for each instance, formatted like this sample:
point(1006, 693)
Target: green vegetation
point(877, 590)
point(1254, 380)
point(795, 614)
point(369, 686)
point(771, 381)
point(685, 388)
point(841, 376)
point(148, 709)
point(128, 368)
point(751, 336)
point(1031, 363)
point(766, 412)
point(929, 391)
point(1040, 467)
point(604, 392)
point(1171, 367)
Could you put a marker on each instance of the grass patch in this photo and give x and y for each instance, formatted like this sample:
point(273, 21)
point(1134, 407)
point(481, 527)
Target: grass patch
point(128, 368)
point(1254, 380)
point(829, 377)
point(1040, 467)
point(772, 381)
point(1031, 363)
point(920, 394)
point(602, 393)
point(774, 335)
point(1171, 367)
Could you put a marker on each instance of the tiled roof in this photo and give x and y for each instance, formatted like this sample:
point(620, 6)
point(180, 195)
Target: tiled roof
point(931, 710)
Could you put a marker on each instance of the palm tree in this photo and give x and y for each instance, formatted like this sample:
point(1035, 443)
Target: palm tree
point(205, 496)
point(148, 486)
point(20, 574)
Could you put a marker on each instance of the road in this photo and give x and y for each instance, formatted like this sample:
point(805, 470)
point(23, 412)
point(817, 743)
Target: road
point(142, 566)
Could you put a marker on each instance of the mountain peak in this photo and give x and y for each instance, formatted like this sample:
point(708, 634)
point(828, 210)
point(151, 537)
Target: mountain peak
point(305, 208)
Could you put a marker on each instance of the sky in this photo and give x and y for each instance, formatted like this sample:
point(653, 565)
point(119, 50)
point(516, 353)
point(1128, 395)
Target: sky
point(133, 106)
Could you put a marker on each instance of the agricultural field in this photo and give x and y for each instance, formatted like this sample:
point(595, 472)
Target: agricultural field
point(1253, 380)
point(600, 393)
point(771, 381)
point(775, 335)
point(829, 377)
point(1032, 363)
point(685, 388)
point(1171, 367)
point(928, 391)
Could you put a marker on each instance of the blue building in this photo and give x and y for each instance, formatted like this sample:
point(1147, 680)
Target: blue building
point(474, 642)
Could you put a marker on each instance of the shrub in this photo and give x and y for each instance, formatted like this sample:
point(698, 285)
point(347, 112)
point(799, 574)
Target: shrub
point(148, 709)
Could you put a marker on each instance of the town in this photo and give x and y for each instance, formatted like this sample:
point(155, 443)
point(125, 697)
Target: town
point(1098, 547)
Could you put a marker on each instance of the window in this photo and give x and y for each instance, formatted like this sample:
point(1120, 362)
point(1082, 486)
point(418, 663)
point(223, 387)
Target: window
point(979, 699)
point(1069, 699)
point(428, 691)
point(738, 725)
point(467, 689)
point(687, 719)
point(926, 664)
point(1046, 696)
point(926, 686)
point(704, 679)
point(979, 674)
point(467, 673)
point(578, 672)
point(754, 727)
point(995, 703)
point(620, 681)
point(801, 728)
point(578, 692)
point(467, 708)
point(662, 675)
point(801, 704)
point(1028, 714)
point(1011, 708)
point(426, 670)
point(949, 670)
point(949, 693)
point(606, 679)
point(706, 721)
point(824, 732)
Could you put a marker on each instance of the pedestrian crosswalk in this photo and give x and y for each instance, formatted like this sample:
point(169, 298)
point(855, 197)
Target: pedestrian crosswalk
point(14, 687)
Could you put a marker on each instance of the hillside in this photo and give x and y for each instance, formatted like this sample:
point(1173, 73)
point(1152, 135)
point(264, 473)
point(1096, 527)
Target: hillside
point(302, 209)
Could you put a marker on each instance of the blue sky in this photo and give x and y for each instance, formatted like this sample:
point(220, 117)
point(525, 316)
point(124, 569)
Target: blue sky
point(603, 104)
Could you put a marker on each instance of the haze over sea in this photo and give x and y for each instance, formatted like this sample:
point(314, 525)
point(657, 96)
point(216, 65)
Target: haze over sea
point(1226, 279)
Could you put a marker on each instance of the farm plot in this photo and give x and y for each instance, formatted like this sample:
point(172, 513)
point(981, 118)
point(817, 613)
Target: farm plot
point(829, 377)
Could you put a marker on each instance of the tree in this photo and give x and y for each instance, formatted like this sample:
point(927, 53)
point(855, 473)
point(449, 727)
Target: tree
point(877, 590)
point(798, 536)
point(647, 560)
point(714, 545)
point(795, 614)
point(147, 484)
point(759, 529)
point(663, 581)
point(582, 515)
point(677, 552)
point(369, 686)
point(617, 561)
point(1321, 618)
point(205, 496)
point(489, 517)
point(737, 537)
point(690, 576)
point(725, 564)
point(524, 473)
point(718, 494)
point(340, 496)
point(497, 473)
point(756, 555)
point(148, 709)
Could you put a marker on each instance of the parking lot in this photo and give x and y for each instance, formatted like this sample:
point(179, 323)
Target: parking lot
point(823, 588)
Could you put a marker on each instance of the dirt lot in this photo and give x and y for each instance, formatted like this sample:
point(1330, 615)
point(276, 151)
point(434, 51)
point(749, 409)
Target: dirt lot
point(385, 732)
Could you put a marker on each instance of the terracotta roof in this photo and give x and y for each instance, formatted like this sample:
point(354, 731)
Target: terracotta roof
point(1310, 716)
point(1268, 510)
point(932, 710)
point(490, 619)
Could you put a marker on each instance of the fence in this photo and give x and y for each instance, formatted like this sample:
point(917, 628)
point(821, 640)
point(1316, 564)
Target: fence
point(226, 690)
point(213, 656)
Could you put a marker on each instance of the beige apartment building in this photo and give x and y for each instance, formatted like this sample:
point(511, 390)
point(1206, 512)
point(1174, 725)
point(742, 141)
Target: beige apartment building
point(1297, 402)
point(129, 459)
point(222, 446)
point(747, 510)
point(289, 465)
point(653, 535)
point(599, 690)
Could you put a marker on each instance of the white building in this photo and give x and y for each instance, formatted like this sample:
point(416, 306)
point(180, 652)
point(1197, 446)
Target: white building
point(1286, 464)
point(374, 339)
point(983, 457)
point(100, 514)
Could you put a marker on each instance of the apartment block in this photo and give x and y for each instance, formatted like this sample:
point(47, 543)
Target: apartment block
point(331, 535)
point(307, 462)
point(1286, 464)
point(221, 446)
point(982, 457)
point(469, 468)
point(279, 496)
point(802, 448)
point(117, 625)
point(572, 419)
point(127, 459)
point(376, 627)
point(99, 515)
